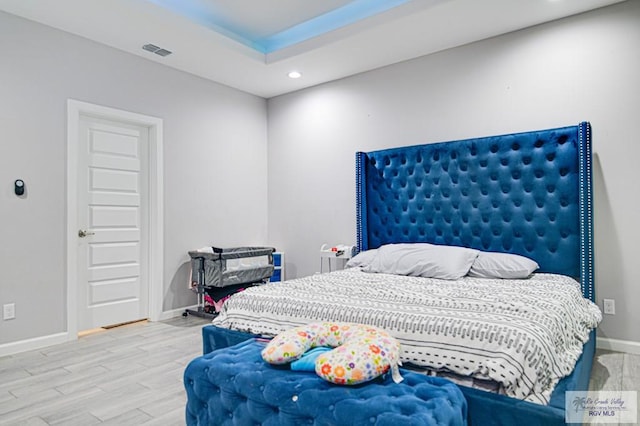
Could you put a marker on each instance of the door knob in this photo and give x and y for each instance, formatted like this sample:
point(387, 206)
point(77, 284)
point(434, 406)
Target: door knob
point(84, 233)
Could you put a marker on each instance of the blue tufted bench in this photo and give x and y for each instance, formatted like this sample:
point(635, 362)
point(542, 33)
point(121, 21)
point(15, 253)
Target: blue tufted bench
point(234, 386)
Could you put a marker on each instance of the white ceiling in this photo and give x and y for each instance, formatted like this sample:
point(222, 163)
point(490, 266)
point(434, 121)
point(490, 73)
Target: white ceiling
point(251, 45)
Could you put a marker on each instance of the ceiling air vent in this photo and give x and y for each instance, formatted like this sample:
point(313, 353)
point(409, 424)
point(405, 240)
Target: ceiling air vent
point(157, 50)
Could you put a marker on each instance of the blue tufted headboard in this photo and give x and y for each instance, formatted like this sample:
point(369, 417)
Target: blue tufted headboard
point(525, 193)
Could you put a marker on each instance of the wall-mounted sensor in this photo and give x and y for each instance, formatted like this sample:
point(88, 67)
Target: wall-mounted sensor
point(19, 187)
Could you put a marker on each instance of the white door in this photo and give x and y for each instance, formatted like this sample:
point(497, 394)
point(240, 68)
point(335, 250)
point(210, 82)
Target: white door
point(113, 282)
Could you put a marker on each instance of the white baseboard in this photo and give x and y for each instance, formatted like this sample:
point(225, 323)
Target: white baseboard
point(165, 315)
point(34, 343)
point(627, 346)
point(54, 339)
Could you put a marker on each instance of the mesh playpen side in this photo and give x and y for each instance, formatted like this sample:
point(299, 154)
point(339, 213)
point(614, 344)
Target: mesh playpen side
point(220, 272)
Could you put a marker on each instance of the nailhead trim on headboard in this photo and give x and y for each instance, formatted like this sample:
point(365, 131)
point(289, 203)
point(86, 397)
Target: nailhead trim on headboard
point(586, 211)
point(361, 205)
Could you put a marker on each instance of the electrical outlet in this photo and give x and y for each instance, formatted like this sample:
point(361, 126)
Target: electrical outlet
point(8, 311)
point(609, 306)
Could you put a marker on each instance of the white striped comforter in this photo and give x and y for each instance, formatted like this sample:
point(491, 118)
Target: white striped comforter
point(524, 334)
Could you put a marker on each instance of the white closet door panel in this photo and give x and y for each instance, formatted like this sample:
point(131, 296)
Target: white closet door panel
point(114, 140)
point(113, 272)
point(110, 291)
point(115, 235)
point(113, 180)
point(114, 253)
point(117, 163)
point(114, 199)
point(113, 217)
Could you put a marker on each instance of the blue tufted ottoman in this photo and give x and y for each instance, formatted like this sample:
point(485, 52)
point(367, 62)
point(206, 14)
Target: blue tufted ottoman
point(234, 386)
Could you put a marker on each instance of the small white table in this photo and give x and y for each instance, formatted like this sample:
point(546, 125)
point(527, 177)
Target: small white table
point(338, 252)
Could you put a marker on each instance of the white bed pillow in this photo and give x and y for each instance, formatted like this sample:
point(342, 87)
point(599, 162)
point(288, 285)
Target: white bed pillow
point(423, 260)
point(363, 258)
point(502, 265)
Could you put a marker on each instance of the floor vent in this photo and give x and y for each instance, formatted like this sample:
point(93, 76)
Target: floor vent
point(157, 50)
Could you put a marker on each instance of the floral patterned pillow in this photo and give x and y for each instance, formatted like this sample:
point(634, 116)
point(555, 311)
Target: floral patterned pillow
point(361, 353)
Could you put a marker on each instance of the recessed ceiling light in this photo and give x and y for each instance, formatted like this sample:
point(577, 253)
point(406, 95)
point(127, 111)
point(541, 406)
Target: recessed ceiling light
point(295, 74)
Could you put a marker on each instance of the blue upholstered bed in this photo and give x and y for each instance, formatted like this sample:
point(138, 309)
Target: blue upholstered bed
point(527, 193)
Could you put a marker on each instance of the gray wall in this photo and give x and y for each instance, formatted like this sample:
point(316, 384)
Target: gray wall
point(215, 145)
point(557, 74)
point(215, 142)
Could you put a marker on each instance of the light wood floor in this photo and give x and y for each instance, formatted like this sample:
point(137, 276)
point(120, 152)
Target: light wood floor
point(129, 375)
point(132, 375)
point(615, 371)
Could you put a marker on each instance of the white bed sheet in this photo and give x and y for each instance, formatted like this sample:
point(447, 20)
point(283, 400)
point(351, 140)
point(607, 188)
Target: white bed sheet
point(524, 334)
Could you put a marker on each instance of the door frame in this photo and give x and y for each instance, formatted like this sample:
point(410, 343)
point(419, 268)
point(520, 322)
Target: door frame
point(76, 109)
